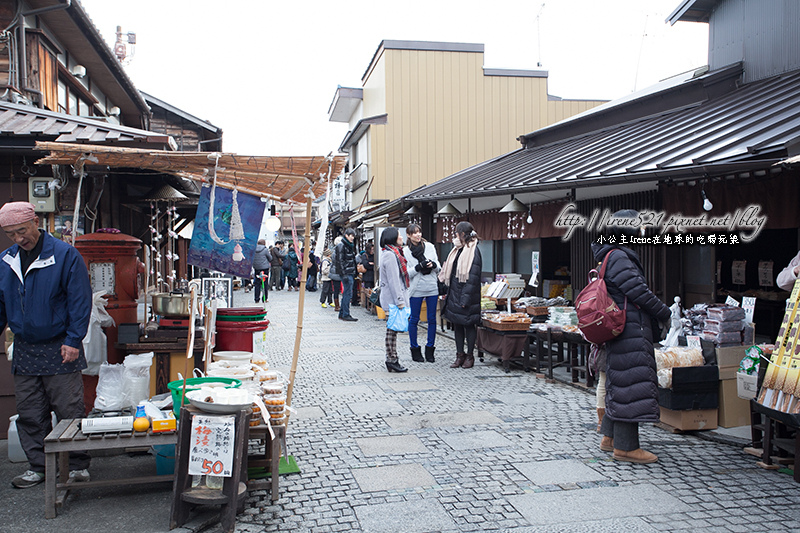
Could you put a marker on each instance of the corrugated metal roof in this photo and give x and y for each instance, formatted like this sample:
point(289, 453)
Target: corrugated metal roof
point(20, 120)
point(749, 123)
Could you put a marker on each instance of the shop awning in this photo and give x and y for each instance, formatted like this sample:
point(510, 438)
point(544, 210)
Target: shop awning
point(745, 128)
point(279, 178)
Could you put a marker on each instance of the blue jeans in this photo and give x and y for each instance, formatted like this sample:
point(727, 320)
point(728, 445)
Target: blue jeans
point(347, 294)
point(416, 307)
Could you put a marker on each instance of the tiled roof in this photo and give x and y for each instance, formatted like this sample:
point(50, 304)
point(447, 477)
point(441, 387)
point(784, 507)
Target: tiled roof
point(749, 125)
point(41, 124)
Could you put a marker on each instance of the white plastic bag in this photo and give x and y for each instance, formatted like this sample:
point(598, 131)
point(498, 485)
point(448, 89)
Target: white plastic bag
point(95, 344)
point(136, 378)
point(109, 388)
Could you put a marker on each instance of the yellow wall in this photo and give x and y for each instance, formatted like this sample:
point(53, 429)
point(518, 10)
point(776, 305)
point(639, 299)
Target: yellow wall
point(445, 115)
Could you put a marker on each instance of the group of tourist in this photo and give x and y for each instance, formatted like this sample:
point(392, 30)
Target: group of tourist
point(412, 275)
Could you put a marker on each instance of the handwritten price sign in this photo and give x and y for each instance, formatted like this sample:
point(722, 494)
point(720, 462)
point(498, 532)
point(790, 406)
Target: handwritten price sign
point(211, 448)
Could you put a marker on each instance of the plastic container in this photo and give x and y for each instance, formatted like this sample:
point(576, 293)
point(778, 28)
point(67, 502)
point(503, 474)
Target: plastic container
point(233, 355)
point(165, 459)
point(273, 388)
point(15, 452)
point(238, 335)
point(176, 388)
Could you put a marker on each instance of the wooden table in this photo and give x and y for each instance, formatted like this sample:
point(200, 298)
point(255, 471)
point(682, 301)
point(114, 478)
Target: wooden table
point(556, 340)
point(67, 437)
point(271, 458)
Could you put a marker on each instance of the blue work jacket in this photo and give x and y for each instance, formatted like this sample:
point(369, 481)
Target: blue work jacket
point(54, 299)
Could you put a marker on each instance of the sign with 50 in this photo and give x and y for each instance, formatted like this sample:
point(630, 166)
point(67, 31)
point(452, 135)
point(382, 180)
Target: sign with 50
point(211, 448)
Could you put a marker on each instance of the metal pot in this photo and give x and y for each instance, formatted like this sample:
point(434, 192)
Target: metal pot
point(171, 304)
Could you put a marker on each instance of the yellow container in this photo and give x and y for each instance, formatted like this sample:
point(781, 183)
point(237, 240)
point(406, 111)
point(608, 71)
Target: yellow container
point(381, 314)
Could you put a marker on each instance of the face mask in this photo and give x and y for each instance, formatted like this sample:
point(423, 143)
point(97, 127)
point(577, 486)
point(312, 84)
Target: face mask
point(456, 241)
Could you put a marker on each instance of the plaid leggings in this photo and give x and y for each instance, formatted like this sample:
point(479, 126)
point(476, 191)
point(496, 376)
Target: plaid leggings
point(391, 346)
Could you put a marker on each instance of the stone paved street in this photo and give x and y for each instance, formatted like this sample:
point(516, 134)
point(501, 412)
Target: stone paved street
point(454, 450)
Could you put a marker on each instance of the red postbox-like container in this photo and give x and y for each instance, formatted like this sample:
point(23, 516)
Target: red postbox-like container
point(113, 266)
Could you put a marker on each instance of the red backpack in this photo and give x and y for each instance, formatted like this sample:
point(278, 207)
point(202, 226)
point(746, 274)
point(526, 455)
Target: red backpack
point(599, 317)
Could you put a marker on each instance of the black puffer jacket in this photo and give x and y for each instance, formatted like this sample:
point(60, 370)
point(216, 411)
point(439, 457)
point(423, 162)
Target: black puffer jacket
point(464, 299)
point(631, 381)
point(345, 258)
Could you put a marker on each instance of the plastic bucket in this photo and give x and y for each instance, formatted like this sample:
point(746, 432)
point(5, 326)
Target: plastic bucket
point(176, 388)
point(165, 459)
point(238, 335)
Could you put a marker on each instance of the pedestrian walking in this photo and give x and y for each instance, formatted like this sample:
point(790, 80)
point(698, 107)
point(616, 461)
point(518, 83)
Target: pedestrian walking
point(291, 273)
point(631, 381)
point(423, 269)
point(276, 266)
point(336, 279)
point(394, 281)
point(345, 260)
point(46, 301)
point(326, 296)
point(461, 273)
point(261, 266)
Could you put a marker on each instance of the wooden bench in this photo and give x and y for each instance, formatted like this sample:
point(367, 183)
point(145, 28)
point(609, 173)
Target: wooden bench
point(67, 437)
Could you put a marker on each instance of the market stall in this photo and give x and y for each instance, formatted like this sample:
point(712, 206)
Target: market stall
point(228, 182)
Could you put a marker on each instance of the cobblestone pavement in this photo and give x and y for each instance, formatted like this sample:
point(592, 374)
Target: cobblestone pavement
point(454, 450)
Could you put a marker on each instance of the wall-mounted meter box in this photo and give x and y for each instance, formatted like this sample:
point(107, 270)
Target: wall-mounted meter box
point(41, 195)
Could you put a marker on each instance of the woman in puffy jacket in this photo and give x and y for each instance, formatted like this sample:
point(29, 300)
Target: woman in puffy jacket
point(631, 381)
point(423, 267)
point(461, 272)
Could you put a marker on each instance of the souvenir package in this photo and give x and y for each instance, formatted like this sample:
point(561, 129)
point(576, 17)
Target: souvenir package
point(678, 356)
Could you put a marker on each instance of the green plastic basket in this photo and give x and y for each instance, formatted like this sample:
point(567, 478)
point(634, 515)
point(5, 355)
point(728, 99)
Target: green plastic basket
point(176, 388)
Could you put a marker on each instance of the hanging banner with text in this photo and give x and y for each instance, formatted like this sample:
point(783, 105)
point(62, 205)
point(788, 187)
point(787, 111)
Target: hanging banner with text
point(211, 448)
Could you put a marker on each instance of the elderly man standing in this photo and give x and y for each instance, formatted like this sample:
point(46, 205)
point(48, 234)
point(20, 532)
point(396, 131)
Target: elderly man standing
point(45, 298)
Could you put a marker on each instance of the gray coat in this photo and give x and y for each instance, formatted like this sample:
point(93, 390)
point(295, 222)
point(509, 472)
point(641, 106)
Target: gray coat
point(422, 285)
point(631, 382)
point(393, 287)
point(262, 258)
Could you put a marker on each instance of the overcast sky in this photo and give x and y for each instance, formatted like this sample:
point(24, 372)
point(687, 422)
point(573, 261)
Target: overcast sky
point(266, 71)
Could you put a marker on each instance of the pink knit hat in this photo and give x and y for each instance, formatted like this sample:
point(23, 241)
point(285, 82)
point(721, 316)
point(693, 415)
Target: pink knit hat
point(14, 213)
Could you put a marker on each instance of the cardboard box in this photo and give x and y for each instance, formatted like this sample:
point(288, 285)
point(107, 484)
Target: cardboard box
point(730, 356)
point(728, 372)
point(746, 386)
point(733, 411)
point(690, 420)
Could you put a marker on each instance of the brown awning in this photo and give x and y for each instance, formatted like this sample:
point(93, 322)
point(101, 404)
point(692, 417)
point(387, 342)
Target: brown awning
point(279, 178)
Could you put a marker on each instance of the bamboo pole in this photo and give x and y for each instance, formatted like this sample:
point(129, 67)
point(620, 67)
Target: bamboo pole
point(299, 334)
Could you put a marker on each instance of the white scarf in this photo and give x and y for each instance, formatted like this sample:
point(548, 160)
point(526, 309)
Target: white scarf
point(464, 262)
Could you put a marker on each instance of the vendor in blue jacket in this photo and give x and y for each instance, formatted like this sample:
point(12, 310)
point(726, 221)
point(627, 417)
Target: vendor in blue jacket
point(46, 300)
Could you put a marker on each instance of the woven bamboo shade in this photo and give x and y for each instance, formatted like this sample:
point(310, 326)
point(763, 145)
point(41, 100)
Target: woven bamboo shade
point(279, 178)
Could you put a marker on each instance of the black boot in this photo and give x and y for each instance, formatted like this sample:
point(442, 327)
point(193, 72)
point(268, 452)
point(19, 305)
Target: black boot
point(429, 354)
point(395, 367)
point(416, 355)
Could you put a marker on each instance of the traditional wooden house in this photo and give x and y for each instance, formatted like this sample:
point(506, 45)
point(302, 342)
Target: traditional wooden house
point(721, 133)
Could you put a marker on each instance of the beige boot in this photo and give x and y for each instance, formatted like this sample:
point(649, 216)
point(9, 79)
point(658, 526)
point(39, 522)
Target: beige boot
point(607, 444)
point(636, 456)
point(601, 412)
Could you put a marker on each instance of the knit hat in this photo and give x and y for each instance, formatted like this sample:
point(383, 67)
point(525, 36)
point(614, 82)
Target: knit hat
point(14, 213)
